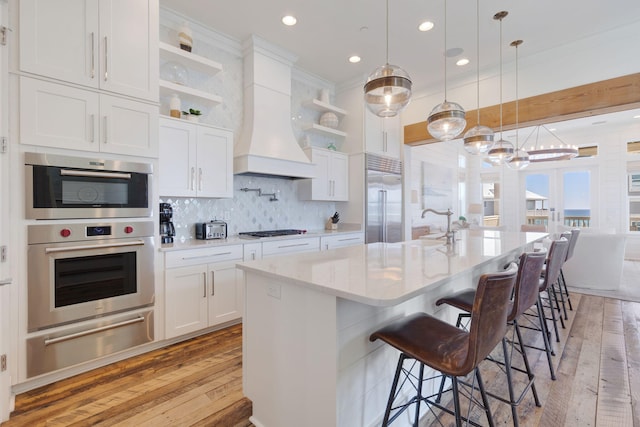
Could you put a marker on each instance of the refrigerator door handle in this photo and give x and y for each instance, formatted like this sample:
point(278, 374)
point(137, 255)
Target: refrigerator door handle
point(383, 216)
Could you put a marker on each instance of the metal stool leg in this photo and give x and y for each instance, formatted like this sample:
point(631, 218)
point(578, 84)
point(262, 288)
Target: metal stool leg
point(456, 401)
point(485, 401)
point(545, 336)
point(526, 363)
point(566, 291)
point(392, 393)
point(507, 370)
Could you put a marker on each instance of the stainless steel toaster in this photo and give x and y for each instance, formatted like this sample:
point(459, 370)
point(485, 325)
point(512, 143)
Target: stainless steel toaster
point(211, 230)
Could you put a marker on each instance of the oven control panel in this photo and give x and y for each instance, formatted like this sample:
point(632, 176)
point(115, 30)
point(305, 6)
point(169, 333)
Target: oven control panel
point(77, 232)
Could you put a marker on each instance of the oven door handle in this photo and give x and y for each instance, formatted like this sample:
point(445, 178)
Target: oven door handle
point(84, 247)
point(49, 341)
point(92, 174)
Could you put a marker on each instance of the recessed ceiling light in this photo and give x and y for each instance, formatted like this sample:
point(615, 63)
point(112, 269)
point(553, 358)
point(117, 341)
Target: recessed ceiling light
point(426, 26)
point(354, 59)
point(462, 62)
point(289, 20)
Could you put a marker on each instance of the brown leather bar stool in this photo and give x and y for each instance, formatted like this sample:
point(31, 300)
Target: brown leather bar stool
point(452, 351)
point(562, 284)
point(525, 296)
point(555, 259)
point(550, 276)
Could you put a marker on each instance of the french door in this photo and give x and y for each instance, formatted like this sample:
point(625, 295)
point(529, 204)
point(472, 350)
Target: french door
point(561, 197)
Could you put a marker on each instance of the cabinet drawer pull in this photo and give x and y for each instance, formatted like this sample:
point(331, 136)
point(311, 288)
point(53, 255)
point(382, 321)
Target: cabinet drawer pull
point(7, 281)
point(204, 285)
point(350, 238)
point(185, 258)
point(293, 246)
point(50, 341)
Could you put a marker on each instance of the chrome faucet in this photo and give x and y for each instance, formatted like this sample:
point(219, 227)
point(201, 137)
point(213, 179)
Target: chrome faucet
point(450, 235)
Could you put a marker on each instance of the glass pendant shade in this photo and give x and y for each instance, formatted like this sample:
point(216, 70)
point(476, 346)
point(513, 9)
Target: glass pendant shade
point(387, 91)
point(501, 153)
point(478, 140)
point(446, 121)
point(519, 161)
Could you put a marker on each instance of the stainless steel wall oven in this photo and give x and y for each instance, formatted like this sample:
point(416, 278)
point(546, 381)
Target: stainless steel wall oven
point(63, 187)
point(83, 271)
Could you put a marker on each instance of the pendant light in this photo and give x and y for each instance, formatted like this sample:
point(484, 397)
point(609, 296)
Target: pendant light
point(478, 139)
point(388, 88)
point(503, 150)
point(520, 159)
point(447, 120)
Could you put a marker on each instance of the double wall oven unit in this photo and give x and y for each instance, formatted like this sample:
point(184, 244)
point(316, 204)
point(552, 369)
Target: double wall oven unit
point(90, 283)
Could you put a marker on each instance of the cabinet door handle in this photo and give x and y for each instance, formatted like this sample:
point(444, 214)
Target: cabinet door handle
point(193, 178)
point(106, 130)
point(213, 283)
point(253, 256)
point(93, 127)
point(204, 285)
point(200, 179)
point(93, 56)
point(106, 59)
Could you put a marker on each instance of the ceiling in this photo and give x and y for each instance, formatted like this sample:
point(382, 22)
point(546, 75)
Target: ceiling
point(328, 32)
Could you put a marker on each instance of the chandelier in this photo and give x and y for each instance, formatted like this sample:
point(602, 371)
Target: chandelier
point(539, 153)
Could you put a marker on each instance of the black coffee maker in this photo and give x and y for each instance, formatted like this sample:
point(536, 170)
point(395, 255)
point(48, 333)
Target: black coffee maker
point(167, 230)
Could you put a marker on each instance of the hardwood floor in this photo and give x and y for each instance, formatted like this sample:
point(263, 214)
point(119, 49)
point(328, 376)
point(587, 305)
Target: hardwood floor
point(198, 382)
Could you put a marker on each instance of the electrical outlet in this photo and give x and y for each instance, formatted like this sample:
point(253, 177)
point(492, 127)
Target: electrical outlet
point(273, 291)
point(227, 215)
point(3, 362)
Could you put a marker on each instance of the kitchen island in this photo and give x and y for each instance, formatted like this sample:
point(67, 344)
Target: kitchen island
point(307, 359)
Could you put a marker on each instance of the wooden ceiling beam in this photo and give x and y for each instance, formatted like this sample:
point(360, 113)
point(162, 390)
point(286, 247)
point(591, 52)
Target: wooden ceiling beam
point(607, 96)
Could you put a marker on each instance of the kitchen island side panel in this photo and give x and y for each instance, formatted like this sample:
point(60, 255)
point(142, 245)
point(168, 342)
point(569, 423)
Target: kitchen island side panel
point(289, 354)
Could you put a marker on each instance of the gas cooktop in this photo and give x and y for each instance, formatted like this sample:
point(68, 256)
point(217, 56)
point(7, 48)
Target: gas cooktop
point(270, 233)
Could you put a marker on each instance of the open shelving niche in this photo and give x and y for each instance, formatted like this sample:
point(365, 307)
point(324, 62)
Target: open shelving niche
point(318, 105)
point(191, 61)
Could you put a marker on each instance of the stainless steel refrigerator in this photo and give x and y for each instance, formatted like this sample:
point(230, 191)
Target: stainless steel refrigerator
point(383, 200)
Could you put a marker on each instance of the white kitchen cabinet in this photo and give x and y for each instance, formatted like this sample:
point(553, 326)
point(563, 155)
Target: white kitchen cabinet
point(107, 44)
point(195, 160)
point(332, 176)
point(341, 240)
point(202, 288)
point(382, 135)
point(289, 246)
point(60, 116)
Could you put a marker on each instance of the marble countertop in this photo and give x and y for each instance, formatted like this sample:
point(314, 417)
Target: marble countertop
point(236, 240)
point(385, 274)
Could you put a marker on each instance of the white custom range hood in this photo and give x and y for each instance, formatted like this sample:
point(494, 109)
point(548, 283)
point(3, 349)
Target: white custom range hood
point(267, 146)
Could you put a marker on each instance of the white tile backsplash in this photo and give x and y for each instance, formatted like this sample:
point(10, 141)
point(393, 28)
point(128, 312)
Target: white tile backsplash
point(248, 212)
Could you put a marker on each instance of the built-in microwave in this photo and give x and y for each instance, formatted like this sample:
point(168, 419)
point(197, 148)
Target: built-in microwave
point(64, 187)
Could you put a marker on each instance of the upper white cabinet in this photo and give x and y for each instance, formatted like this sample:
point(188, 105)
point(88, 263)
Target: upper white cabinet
point(55, 115)
point(195, 160)
point(382, 135)
point(332, 176)
point(107, 44)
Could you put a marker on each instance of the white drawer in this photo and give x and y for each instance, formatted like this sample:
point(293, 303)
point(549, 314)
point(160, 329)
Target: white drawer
point(341, 240)
point(278, 247)
point(203, 256)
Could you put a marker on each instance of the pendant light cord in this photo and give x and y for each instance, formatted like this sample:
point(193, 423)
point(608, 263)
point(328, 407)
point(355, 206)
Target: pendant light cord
point(445, 50)
point(517, 43)
point(501, 138)
point(478, 58)
point(387, 32)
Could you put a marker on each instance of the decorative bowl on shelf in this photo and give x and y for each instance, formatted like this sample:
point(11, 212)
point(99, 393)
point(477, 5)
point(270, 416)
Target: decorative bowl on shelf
point(174, 72)
point(329, 119)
